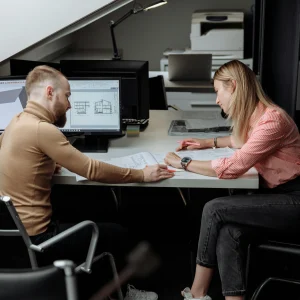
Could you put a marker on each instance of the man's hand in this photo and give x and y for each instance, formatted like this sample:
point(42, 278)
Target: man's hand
point(172, 159)
point(156, 173)
point(57, 169)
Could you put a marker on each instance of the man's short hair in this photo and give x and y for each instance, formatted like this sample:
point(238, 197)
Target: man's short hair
point(42, 74)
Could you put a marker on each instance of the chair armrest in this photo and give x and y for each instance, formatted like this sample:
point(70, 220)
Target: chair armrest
point(86, 267)
point(272, 279)
point(280, 247)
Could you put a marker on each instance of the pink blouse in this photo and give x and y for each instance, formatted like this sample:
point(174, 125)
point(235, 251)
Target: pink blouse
point(272, 147)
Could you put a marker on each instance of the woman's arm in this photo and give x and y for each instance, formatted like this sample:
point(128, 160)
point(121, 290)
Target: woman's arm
point(195, 166)
point(264, 140)
point(222, 142)
point(201, 167)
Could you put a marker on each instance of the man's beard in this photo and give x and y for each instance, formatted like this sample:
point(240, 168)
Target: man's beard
point(61, 117)
point(61, 121)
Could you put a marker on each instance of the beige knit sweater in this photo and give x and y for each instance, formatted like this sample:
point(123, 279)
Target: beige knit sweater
point(30, 147)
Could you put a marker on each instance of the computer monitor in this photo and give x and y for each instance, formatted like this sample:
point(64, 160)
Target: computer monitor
point(134, 81)
point(23, 67)
point(13, 98)
point(95, 111)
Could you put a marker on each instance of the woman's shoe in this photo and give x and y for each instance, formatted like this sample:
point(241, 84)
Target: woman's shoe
point(186, 293)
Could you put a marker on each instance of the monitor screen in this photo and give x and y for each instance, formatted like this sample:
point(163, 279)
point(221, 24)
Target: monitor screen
point(134, 81)
point(95, 109)
point(95, 106)
point(13, 99)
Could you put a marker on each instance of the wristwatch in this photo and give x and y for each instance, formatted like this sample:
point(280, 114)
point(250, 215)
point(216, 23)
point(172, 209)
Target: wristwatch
point(185, 162)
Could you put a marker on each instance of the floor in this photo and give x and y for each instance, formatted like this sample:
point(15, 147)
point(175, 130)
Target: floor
point(175, 274)
point(156, 215)
point(160, 216)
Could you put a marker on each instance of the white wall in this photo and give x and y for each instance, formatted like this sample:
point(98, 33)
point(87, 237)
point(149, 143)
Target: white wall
point(24, 23)
point(45, 52)
point(146, 35)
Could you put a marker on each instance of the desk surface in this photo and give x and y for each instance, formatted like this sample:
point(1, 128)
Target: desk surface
point(184, 86)
point(155, 139)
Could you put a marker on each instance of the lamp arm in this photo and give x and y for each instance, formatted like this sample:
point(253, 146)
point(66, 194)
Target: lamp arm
point(115, 49)
point(112, 25)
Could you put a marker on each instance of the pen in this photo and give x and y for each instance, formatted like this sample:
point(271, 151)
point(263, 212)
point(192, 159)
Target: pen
point(189, 143)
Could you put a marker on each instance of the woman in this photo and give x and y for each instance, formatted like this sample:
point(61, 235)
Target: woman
point(268, 140)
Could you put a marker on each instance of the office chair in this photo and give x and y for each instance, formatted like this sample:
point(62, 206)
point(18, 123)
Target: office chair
point(157, 94)
point(55, 282)
point(19, 230)
point(276, 249)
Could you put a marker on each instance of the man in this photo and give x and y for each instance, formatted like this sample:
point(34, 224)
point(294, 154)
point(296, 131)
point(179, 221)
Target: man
point(32, 145)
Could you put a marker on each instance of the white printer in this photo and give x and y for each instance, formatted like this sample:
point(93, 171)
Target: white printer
point(218, 32)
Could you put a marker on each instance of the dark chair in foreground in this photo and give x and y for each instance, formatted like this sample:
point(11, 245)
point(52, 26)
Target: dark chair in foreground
point(20, 230)
point(56, 282)
point(157, 94)
point(281, 283)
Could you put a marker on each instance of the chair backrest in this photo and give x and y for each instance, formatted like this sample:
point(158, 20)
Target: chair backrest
point(32, 248)
point(19, 230)
point(56, 282)
point(157, 93)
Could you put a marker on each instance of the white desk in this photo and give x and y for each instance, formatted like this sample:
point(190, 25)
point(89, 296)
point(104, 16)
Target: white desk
point(156, 139)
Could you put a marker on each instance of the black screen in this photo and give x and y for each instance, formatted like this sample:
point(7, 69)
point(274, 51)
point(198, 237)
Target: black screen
point(23, 67)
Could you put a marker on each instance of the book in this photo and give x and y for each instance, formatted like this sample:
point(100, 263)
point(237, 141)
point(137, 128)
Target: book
point(141, 159)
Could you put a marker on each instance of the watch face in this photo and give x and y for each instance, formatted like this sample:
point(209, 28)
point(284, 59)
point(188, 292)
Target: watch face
point(185, 159)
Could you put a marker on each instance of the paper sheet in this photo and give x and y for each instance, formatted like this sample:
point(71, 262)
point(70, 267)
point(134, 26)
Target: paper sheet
point(134, 161)
point(141, 159)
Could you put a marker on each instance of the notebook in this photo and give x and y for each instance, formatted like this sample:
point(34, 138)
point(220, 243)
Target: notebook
point(190, 67)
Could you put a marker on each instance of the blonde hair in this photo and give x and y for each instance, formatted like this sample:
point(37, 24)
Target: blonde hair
point(42, 74)
point(247, 94)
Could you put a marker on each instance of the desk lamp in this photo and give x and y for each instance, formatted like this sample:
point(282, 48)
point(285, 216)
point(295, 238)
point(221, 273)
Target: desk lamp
point(133, 11)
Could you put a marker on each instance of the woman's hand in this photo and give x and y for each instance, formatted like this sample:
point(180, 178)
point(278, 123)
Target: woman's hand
point(192, 144)
point(172, 159)
point(156, 173)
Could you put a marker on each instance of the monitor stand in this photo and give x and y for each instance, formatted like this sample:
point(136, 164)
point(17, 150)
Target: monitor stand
point(92, 143)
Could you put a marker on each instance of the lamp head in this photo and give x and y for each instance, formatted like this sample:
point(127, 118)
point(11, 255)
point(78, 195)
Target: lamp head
point(156, 4)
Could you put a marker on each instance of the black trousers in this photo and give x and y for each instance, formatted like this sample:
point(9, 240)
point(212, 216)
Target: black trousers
point(227, 220)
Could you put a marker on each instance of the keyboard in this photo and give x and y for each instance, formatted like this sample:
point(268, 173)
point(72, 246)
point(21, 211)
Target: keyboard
point(211, 129)
point(135, 121)
point(143, 123)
